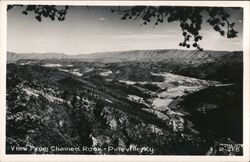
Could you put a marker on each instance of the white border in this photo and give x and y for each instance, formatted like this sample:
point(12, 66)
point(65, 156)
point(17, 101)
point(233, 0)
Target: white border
point(104, 158)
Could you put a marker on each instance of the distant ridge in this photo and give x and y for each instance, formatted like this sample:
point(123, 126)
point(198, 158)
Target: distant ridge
point(11, 56)
point(134, 55)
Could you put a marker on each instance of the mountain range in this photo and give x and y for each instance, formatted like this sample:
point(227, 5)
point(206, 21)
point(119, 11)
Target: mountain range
point(137, 55)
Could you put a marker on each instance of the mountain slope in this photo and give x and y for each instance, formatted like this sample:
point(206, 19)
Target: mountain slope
point(160, 55)
point(49, 107)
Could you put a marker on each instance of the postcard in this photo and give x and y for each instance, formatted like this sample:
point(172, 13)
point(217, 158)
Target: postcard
point(124, 81)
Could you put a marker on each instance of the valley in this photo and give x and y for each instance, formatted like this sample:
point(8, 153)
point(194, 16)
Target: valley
point(175, 102)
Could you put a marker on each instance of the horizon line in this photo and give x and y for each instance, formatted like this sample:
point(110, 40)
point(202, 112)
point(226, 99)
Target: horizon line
point(121, 51)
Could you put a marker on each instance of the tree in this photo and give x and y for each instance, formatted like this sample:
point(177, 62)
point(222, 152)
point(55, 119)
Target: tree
point(189, 18)
point(46, 11)
point(98, 108)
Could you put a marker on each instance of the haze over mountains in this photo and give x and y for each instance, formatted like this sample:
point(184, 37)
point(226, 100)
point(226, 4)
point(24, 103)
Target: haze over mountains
point(137, 55)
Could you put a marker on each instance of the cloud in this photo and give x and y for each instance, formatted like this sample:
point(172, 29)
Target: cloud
point(143, 36)
point(102, 18)
point(173, 31)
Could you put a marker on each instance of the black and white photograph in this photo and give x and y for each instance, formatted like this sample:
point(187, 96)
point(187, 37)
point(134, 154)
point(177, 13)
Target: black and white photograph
point(124, 80)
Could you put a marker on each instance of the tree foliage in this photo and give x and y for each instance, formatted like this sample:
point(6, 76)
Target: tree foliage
point(48, 11)
point(190, 19)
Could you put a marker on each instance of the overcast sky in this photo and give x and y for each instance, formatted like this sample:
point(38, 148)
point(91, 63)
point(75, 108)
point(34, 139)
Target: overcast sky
point(98, 30)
